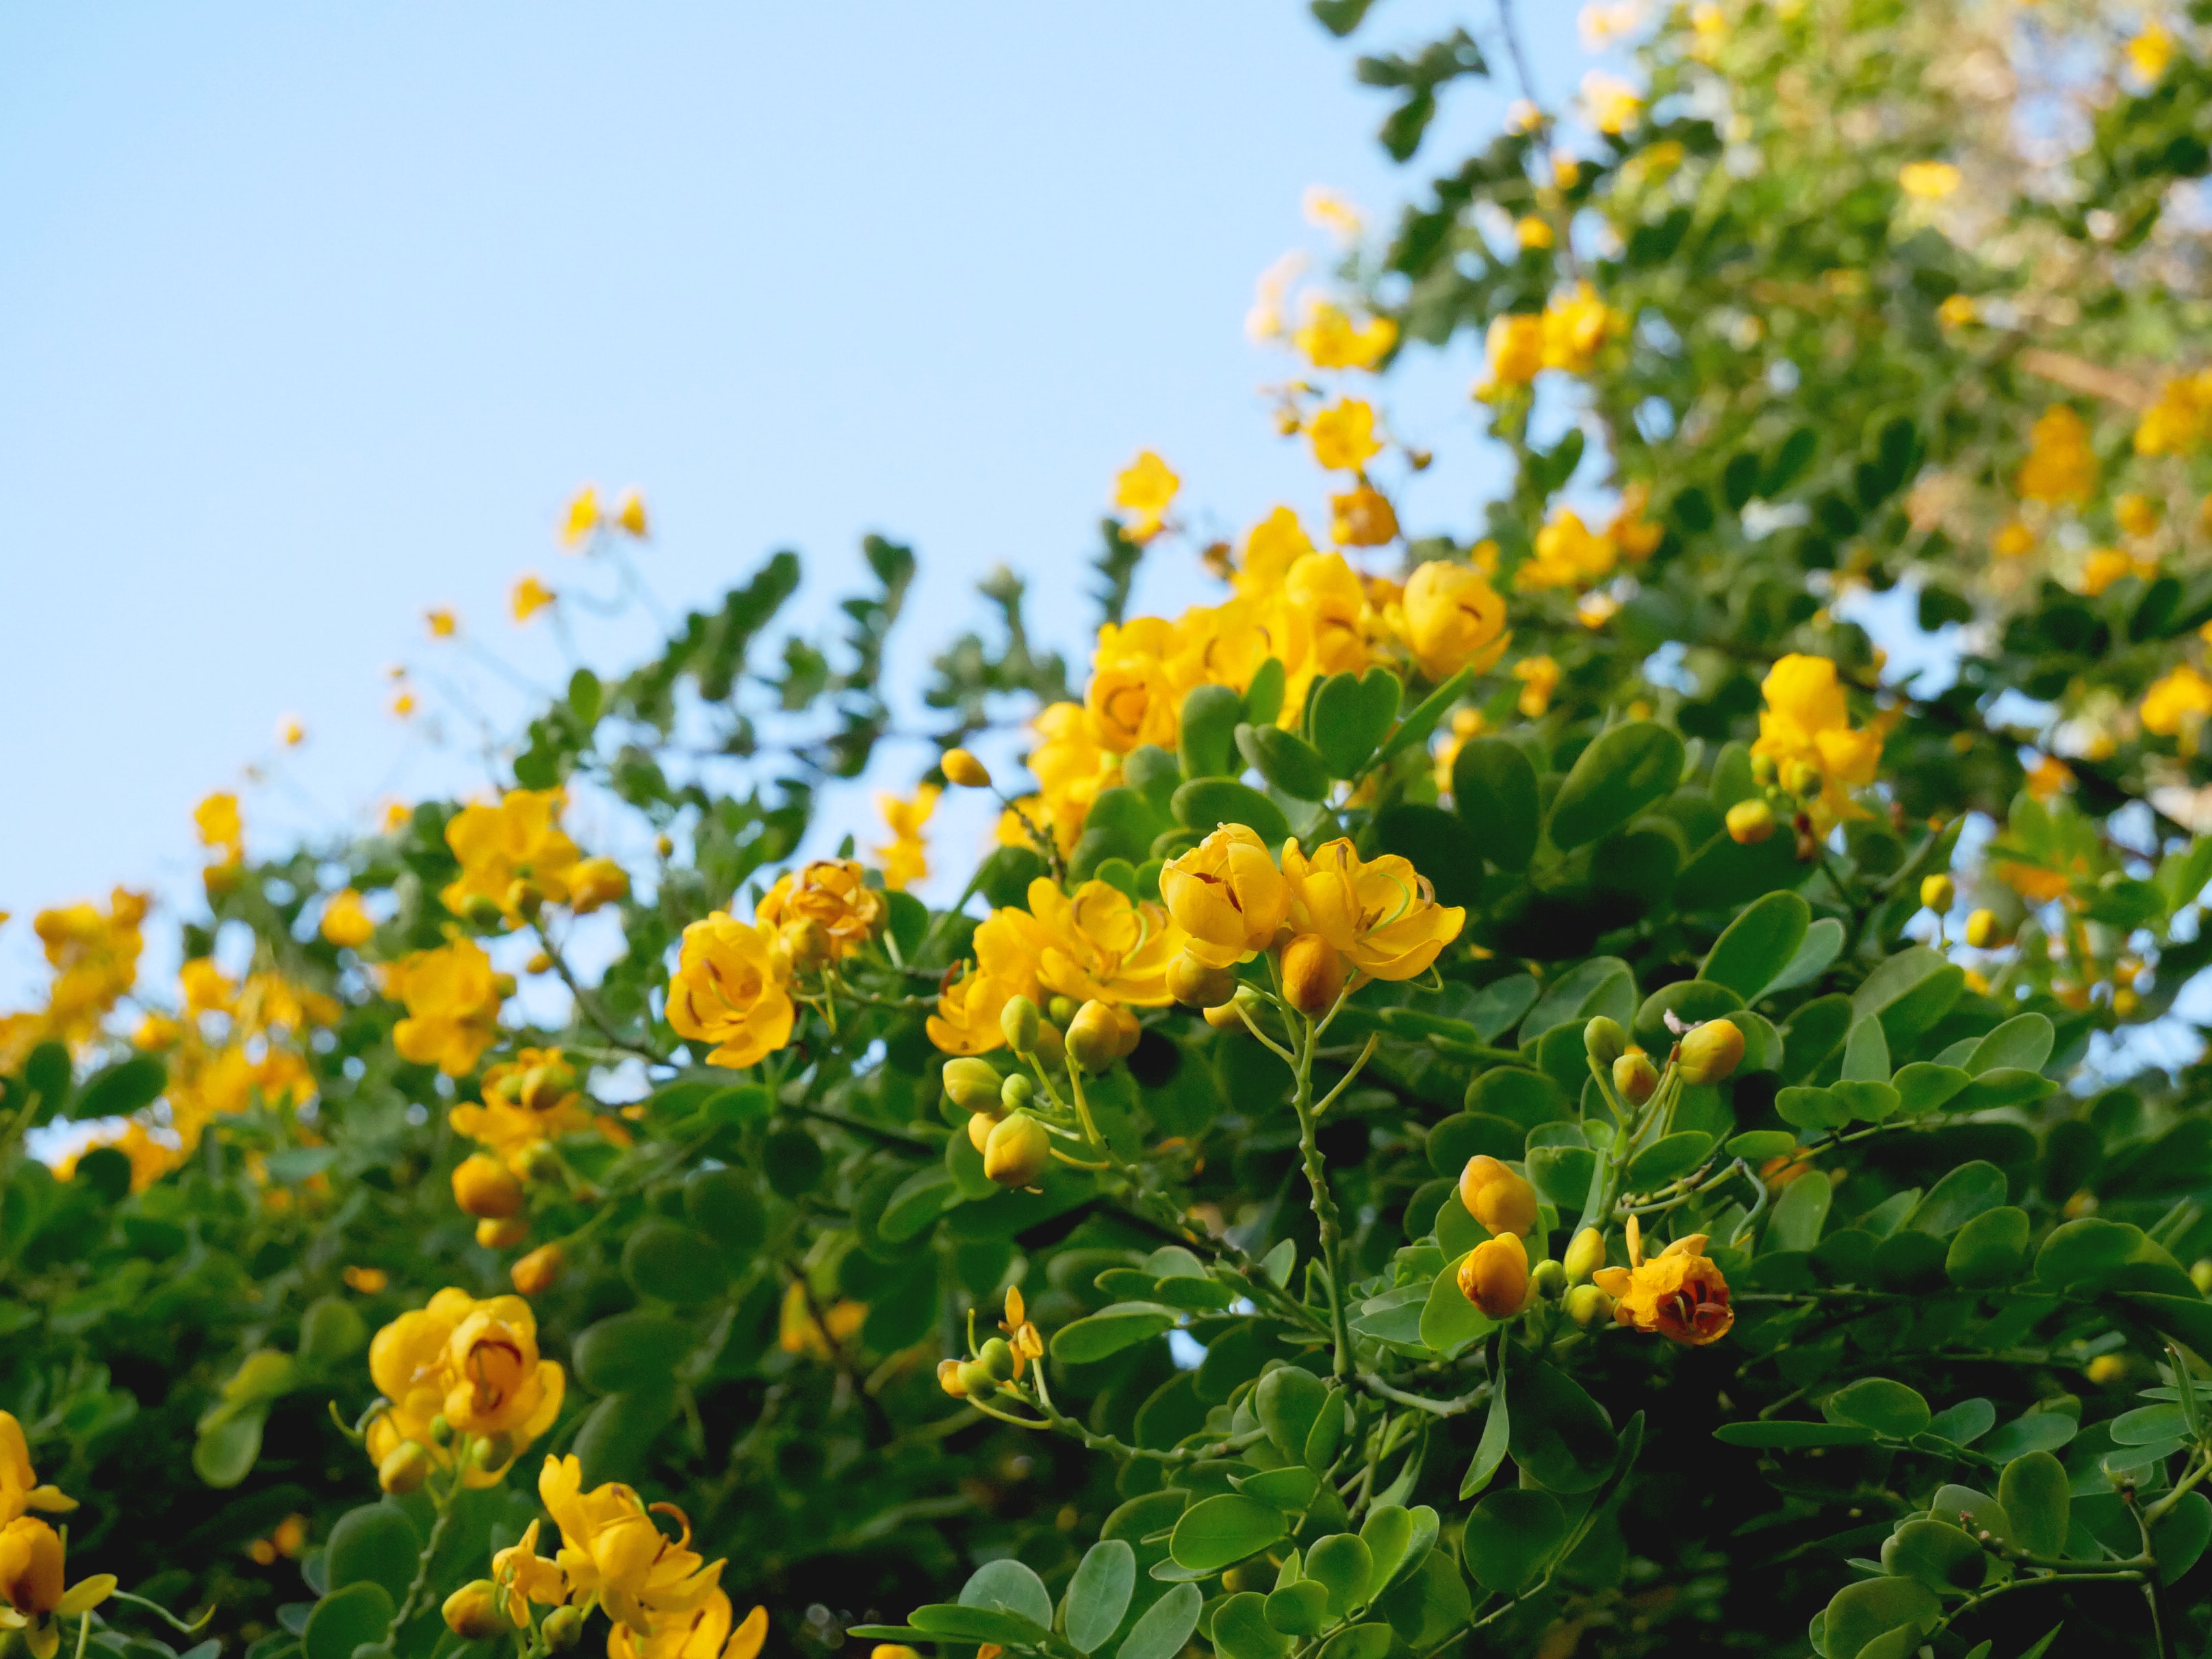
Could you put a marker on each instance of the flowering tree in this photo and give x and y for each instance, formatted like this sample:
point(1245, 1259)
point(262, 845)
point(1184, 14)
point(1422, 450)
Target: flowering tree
point(1507, 1090)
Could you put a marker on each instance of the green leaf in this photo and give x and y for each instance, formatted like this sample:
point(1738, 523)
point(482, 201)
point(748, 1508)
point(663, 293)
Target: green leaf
point(1510, 1536)
point(1801, 1212)
point(1490, 1451)
point(1823, 944)
point(1924, 1088)
point(1600, 985)
point(122, 1090)
point(1437, 846)
point(1623, 771)
point(1866, 1052)
point(1879, 1403)
point(1211, 715)
point(1936, 1555)
point(1289, 1402)
point(375, 1544)
point(618, 1431)
point(1342, 1565)
point(1206, 804)
point(633, 1349)
point(1108, 1332)
point(1965, 1193)
point(1217, 1531)
point(1299, 1609)
point(2180, 1535)
point(916, 1203)
point(2022, 1043)
point(1397, 1538)
point(346, 1618)
point(1560, 1437)
point(1263, 696)
point(2147, 1425)
point(1165, 1626)
point(2036, 1496)
point(1350, 716)
point(1286, 759)
point(1792, 1435)
point(966, 1624)
point(1664, 1159)
point(1909, 994)
point(2001, 1086)
point(1757, 1146)
point(677, 1265)
point(1010, 1587)
point(1859, 1612)
point(1360, 1642)
point(1327, 1430)
point(1429, 1605)
point(2036, 1431)
point(1427, 716)
point(1989, 1249)
point(1448, 1321)
point(1759, 946)
point(1494, 792)
point(2085, 1251)
point(224, 1453)
point(1562, 1174)
point(1812, 1108)
point(1291, 1490)
point(331, 1331)
point(1241, 1629)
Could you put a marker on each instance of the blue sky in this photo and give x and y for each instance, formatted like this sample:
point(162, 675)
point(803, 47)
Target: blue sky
point(313, 317)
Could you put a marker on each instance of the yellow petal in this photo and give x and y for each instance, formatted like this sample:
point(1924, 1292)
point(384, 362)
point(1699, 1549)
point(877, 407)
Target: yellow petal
point(745, 1642)
point(85, 1594)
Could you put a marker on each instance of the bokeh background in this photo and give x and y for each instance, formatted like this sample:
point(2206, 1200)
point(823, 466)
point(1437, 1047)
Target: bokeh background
point(315, 318)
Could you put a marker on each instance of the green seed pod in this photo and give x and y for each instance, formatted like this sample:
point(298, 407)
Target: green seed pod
point(996, 1358)
point(1604, 1040)
point(561, 1628)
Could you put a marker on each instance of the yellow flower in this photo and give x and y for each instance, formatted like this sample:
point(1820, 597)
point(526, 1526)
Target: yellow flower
point(2060, 464)
point(2013, 540)
point(346, 923)
point(366, 1280)
point(1575, 326)
point(31, 1574)
point(629, 515)
point(730, 989)
point(1363, 518)
point(906, 856)
point(19, 1487)
point(402, 705)
point(1453, 619)
point(797, 1331)
point(1271, 548)
point(1494, 1276)
point(442, 623)
point(1326, 594)
point(1130, 700)
point(536, 1273)
point(582, 521)
point(1613, 105)
point(1568, 554)
point(528, 597)
point(1228, 896)
point(291, 732)
point(1538, 678)
point(1331, 212)
point(1494, 1195)
point(2176, 706)
point(2137, 514)
point(1381, 915)
point(452, 1000)
point(831, 894)
point(2149, 52)
point(1344, 435)
point(508, 851)
point(2106, 565)
point(1023, 1338)
point(1678, 1293)
point(1145, 489)
point(1514, 347)
point(1928, 181)
point(967, 1007)
point(2177, 422)
point(219, 829)
point(595, 883)
point(2049, 777)
point(1531, 232)
point(1805, 720)
point(1330, 339)
point(611, 1548)
point(477, 1363)
point(1957, 311)
point(702, 1633)
point(1100, 945)
point(524, 1576)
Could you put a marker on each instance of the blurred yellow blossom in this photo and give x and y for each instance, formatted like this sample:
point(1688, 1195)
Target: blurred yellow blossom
point(1612, 104)
point(1344, 435)
point(221, 830)
point(2013, 540)
point(441, 622)
point(2151, 51)
point(1330, 211)
point(905, 857)
point(629, 514)
point(1538, 678)
point(1568, 554)
point(452, 1000)
point(513, 855)
point(1928, 181)
point(1531, 232)
point(1957, 311)
point(345, 922)
point(1330, 339)
point(1145, 489)
point(2137, 514)
point(291, 731)
point(1806, 722)
point(2177, 422)
point(1363, 518)
point(582, 520)
point(2060, 465)
point(529, 596)
point(2176, 706)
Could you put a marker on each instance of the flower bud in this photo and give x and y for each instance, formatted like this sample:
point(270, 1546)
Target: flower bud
point(1548, 1279)
point(971, 1083)
point(482, 1188)
point(980, 1127)
point(441, 1431)
point(1801, 779)
point(595, 883)
point(536, 1273)
point(1060, 1010)
point(525, 898)
point(472, 1612)
point(1587, 1305)
point(1313, 974)
point(404, 1468)
point(1101, 1033)
point(808, 944)
point(1762, 769)
point(502, 1232)
point(539, 963)
point(1604, 1040)
point(1196, 984)
point(484, 910)
point(1015, 1093)
point(2199, 1274)
point(1635, 1077)
point(1500, 1200)
point(545, 1086)
point(997, 1358)
point(1939, 893)
point(1750, 822)
point(1019, 1021)
point(1712, 1051)
point(976, 1381)
point(963, 768)
point(1983, 931)
point(663, 846)
point(1051, 1048)
point(1017, 1153)
point(494, 1451)
point(561, 1628)
point(2105, 1370)
point(543, 1163)
point(1494, 1276)
point(948, 1378)
point(504, 984)
point(1585, 1255)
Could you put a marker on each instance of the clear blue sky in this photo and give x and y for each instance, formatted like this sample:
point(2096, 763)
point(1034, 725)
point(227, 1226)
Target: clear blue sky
point(312, 317)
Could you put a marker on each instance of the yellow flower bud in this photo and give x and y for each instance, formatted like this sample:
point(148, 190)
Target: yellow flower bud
point(965, 770)
point(1051, 1048)
point(482, 910)
point(1587, 1305)
point(1750, 822)
point(971, 1083)
point(1938, 893)
point(980, 1127)
point(2107, 1369)
point(948, 1378)
point(404, 1468)
point(1762, 769)
point(1101, 1033)
point(1983, 931)
point(1801, 779)
point(1635, 1077)
point(892, 1650)
point(1017, 1151)
point(663, 846)
point(1712, 1051)
point(525, 898)
point(1500, 1200)
point(1585, 1255)
point(1494, 1276)
point(1197, 984)
point(595, 883)
point(1018, 1021)
point(1604, 1040)
point(502, 1232)
point(808, 944)
point(1548, 1279)
point(561, 1628)
point(1313, 974)
point(1060, 1010)
point(482, 1188)
point(472, 1612)
point(537, 1272)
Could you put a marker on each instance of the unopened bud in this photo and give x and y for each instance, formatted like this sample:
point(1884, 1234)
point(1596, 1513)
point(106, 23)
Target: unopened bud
point(1548, 1279)
point(1604, 1040)
point(1762, 769)
point(1939, 893)
point(1017, 1151)
point(544, 1163)
point(536, 1273)
point(1983, 931)
point(980, 1127)
point(1101, 1033)
point(1060, 1010)
point(472, 1612)
point(808, 944)
point(539, 963)
point(1051, 1048)
point(1587, 1305)
point(1801, 779)
point(997, 1358)
point(1501, 1200)
point(504, 984)
point(1494, 1276)
point(544, 1087)
point(561, 1628)
point(404, 1468)
point(482, 1187)
point(1635, 1077)
point(1712, 1051)
point(1198, 984)
point(963, 768)
point(663, 846)
point(2199, 1274)
point(494, 1451)
point(484, 910)
point(1018, 1021)
point(441, 1431)
point(1585, 1255)
point(1015, 1093)
point(502, 1232)
point(1750, 822)
point(1313, 974)
point(525, 899)
point(948, 1378)
point(971, 1083)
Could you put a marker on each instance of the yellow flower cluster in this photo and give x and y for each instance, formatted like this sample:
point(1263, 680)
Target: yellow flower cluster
point(2060, 464)
point(2179, 420)
point(476, 1365)
point(1805, 725)
point(1145, 490)
point(33, 1597)
point(1567, 335)
point(528, 1101)
point(1331, 339)
point(95, 957)
point(452, 999)
point(514, 857)
point(731, 988)
point(2176, 706)
point(822, 912)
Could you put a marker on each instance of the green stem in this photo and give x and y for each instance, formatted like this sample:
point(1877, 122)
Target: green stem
point(444, 1503)
point(1324, 1207)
